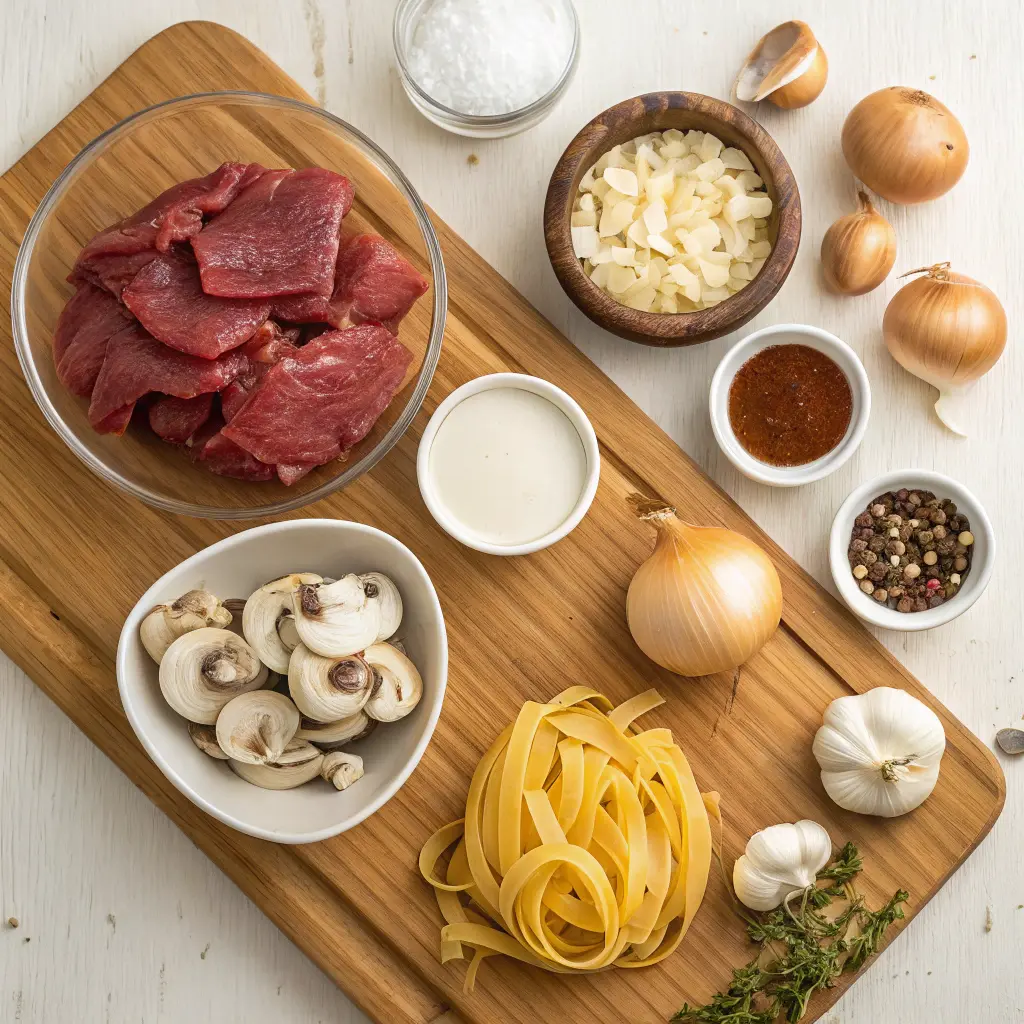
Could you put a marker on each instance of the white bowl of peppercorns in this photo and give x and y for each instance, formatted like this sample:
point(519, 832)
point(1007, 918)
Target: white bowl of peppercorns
point(911, 550)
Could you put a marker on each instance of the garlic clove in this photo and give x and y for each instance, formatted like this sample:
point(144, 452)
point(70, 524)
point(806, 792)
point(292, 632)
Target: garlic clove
point(328, 689)
point(780, 862)
point(205, 738)
point(204, 669)
point(332, 735)
point(341, 769)
point(264, 615)
point(879, 751)
point(290, 774)
point(382, 590)
point(256, 727)
point(788, 67)
point(397, 686)
point(193, 610)
point(336, 619)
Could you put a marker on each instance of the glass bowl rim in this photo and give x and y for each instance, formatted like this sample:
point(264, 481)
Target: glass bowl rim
point(57, 190)
point(487, 120)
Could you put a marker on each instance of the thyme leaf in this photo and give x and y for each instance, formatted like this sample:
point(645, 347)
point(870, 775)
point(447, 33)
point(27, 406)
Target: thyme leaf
point(802, 950)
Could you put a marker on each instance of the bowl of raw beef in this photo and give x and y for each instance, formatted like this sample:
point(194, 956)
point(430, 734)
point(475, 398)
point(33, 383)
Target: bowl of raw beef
point(229, 305)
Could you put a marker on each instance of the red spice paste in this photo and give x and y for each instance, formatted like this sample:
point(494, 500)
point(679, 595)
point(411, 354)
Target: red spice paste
point(790, 405)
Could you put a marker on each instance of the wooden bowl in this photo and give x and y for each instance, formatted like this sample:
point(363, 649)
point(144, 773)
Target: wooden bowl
point(657, 111)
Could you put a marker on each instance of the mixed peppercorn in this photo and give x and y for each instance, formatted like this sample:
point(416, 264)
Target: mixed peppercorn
point(910, 550)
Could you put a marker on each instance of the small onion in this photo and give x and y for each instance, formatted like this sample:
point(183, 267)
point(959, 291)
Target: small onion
point(705, 601)
point(905, 145)
point(858, 251)
point(948, 330)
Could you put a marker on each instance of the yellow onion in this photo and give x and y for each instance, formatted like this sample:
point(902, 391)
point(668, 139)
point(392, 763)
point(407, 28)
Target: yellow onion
point(905, 145)
point(788, 67)
point(858, 251)
point(705, 601)
point(948, 330)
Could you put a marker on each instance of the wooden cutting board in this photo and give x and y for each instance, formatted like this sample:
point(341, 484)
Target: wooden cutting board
point(75, 555)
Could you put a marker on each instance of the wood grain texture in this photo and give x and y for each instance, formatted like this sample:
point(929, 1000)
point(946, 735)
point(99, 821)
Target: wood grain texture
point(659, 111)
point(75, 834)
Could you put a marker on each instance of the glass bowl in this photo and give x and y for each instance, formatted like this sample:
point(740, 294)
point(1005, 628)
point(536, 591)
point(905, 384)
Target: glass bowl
point(134, 161)
point(478, 126)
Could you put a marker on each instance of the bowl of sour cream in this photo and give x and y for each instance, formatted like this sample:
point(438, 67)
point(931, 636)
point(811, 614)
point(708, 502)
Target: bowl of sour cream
point(509, 464)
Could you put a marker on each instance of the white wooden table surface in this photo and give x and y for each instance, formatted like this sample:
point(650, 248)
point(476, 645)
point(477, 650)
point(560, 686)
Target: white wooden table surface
point(120, 918)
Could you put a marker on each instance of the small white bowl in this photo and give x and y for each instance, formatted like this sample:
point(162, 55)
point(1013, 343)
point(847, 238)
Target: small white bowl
point(982, 558)
point(789, 334)
point(558, 398)
point(235, 567)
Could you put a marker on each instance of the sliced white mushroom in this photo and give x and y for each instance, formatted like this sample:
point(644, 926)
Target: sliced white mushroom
point(256, 727)
point(382, 590)
point(202, 670)
point(397, 686)
point(336, 619)
point(341, 769)
point(298, 765)
point(328, 689)
point(332, 735)
point(264, 615)
point(205, 738)
point(166, 622)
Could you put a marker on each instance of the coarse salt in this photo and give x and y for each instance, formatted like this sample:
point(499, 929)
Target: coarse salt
point(490, 56)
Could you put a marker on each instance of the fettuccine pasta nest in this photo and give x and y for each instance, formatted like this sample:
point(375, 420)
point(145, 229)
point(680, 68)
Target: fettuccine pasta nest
point(586, 843)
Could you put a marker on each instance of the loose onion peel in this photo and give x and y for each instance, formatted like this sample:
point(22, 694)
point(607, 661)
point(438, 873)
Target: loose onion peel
point(585, 845)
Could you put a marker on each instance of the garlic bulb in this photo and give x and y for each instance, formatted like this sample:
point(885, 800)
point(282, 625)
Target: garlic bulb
point(166, 622)
point(858, 250)
point(947, 329)
point(336, 619)
point(264, 617)
point(788, 67)
point(256, 727)
point(879, 751)
point(382, 590)
point(780, 862)
point(328, 689)
point(341, 769)
point(203, 669)
point(705, 601)
point(332, 735)
point(397, 686)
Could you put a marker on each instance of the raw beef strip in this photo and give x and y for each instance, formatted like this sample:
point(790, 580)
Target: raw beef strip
point(177, 419)
point(136, 364)
point(279, 237)
point(115, 255)
point(372, 282)
point(224, 457)
point(315, 404)
point(168, 299)
point(85, 326)
point(267, 346)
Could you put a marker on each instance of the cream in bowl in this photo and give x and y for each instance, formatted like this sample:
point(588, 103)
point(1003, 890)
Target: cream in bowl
point(789, 404)
point(508, 464)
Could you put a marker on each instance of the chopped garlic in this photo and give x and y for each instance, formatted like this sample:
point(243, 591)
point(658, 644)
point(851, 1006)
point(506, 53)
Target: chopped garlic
point(672, 222)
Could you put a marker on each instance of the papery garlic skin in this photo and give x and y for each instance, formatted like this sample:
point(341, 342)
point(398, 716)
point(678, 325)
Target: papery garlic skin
point(879, 752)
point(779, 862)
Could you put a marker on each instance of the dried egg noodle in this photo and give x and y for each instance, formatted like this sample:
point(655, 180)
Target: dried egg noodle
point(586, 843)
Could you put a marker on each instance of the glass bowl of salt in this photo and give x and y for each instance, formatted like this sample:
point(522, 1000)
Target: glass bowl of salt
point(486, 68)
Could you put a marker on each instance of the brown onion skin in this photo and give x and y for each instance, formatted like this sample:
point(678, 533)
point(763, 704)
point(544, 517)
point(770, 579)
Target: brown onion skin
point(945, 326)
point(905, 145)
point(804, 90)
point(858, 250)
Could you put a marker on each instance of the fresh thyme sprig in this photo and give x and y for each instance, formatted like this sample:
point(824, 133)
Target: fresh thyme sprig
point(802, 951)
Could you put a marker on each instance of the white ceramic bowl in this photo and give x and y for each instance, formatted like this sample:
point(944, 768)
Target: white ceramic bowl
point(557, 397)
point(789, 334)
point(982, 559)
point(235, 567)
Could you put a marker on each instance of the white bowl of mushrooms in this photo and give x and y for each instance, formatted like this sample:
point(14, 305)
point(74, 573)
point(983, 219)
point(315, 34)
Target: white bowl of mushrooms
point(288, 679)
